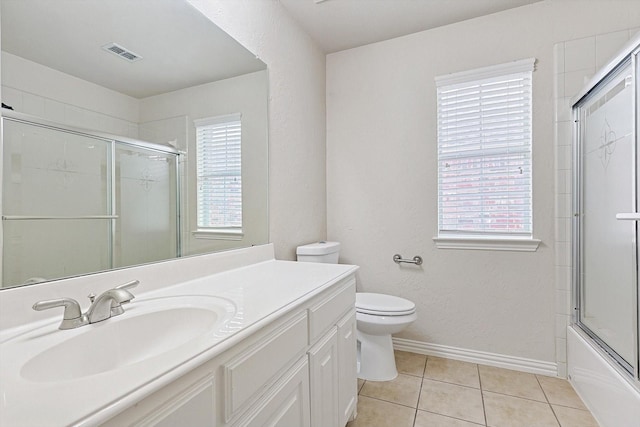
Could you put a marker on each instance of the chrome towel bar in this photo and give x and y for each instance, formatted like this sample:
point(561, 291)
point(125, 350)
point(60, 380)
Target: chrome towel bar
point(417, 260)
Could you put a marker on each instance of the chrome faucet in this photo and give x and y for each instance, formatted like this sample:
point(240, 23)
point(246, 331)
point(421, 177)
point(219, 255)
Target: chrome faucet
point(106, 305)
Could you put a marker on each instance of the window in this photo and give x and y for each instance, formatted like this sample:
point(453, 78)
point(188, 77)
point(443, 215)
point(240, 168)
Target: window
point(219, 175)
point(484, 158)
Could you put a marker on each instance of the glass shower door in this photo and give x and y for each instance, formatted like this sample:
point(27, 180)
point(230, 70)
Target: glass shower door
point(607, 262)
point(146, 203)
point(56, 204)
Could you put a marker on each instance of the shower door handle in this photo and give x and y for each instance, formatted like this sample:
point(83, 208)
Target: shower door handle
point(630, 216)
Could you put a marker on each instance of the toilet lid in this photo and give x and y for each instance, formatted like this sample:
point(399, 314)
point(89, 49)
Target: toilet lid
point(383, 305)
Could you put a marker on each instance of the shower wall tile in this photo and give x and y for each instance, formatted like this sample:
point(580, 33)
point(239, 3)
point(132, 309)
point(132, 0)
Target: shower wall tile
point(563, 153)
point(74, 116)
point(558, 87)
point(563, 230)
point(562, 369)
point(563, 277)
point(563, 108)
point(564, 135)
point(133, 130)
point(608, 45)
point(562, 321)
point(12, 97)
point(59, 112)
point(561, 350)
point(579, 54)
point(95, 121)
point(563, 254)
point(563, 206)
point(558, 58)
point(576, 80)
point(33, 104)
point(563, 180)
point(562, 301)
point(171, 131)
point(54, 110)
point(563, 164)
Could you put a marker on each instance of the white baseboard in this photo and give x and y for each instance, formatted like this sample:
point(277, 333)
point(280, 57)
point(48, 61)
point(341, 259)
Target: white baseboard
point(481, 357)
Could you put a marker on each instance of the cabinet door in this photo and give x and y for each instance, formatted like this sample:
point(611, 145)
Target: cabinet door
point(323, 375)
point(193, 407)
point(347, 368)
point(287, 404)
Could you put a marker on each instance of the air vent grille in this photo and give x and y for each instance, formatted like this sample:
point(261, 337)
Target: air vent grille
point(122, 52)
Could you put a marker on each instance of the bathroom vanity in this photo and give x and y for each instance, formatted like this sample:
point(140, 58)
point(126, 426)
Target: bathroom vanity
point(230, 339)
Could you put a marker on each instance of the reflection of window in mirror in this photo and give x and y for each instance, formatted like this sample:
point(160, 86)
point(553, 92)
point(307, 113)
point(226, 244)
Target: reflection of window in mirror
point(219, 176)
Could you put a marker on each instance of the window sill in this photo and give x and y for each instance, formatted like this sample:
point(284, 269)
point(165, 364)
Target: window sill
point(218, 234)
point(488, 243)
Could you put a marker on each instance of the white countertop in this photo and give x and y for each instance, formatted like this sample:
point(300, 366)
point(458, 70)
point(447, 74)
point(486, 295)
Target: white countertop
point(260, 292)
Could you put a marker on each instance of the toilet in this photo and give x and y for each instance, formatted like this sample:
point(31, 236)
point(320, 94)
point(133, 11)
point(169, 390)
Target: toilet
point(377, 317)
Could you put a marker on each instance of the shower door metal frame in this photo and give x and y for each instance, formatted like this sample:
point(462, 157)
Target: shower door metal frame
point(601, 79)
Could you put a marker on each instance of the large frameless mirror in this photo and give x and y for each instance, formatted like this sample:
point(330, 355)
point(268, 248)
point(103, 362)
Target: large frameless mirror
point(115, 147)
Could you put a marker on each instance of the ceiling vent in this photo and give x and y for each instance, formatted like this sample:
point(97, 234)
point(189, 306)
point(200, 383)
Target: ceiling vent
point(122, 52)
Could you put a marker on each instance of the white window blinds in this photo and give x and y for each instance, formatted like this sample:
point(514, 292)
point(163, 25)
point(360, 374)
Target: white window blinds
point(484, 151)
point(219, 172)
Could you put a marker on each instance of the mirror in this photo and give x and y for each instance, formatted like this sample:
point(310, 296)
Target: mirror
point(139, 75)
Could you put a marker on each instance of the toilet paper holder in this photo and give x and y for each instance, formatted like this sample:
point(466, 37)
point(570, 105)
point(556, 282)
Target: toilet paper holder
point(417, 260)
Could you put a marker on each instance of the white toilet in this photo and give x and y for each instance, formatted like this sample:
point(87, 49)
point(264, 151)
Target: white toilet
point(377, 317)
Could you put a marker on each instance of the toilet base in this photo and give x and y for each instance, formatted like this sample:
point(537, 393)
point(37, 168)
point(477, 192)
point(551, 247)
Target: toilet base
point(376, 361)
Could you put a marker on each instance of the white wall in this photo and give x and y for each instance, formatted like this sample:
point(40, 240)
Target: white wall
point(297, 174)
point(381, 170)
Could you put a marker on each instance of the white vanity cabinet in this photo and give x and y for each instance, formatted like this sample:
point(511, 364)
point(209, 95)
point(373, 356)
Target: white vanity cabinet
point(296, 370)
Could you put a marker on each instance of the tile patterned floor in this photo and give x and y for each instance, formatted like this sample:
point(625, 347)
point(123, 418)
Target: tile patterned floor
point(435, 392)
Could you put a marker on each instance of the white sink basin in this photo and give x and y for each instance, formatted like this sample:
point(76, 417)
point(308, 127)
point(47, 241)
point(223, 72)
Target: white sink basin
point(147, 329)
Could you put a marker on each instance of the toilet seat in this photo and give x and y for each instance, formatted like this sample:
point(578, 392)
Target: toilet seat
point(383, 305)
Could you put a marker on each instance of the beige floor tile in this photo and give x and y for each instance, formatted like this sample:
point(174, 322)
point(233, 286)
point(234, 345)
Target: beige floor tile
point(570, 417)
point(360, 384)
point(509, 411)
point(404, 390)
point(513, 383)
point(410, 363)
point(428, 419)
point(452, 400)
point(560, 392)
point(377, 413)
point(452, 371)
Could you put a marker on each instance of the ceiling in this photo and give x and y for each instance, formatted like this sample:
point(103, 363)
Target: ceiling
point(180, 47)
point(343, 24)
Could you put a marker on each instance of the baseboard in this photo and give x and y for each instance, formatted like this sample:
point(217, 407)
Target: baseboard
point(481, 357)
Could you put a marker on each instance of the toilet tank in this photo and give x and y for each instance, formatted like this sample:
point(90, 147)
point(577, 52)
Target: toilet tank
point(327, 252)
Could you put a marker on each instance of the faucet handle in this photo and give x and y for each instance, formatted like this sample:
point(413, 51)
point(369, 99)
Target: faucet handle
point(129, 285)
point(116, 306)
point(72, 317)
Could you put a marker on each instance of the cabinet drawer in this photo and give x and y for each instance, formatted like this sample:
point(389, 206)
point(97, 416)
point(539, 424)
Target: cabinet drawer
point(248, 374)
point(326, 312)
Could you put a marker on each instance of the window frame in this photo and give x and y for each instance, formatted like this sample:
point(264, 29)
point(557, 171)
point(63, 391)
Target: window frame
point(217, 232)
point(483, 240)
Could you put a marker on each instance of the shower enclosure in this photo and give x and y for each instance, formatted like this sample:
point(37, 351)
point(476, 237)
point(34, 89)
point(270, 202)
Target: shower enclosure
point(76, 202)
point(607, 211)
